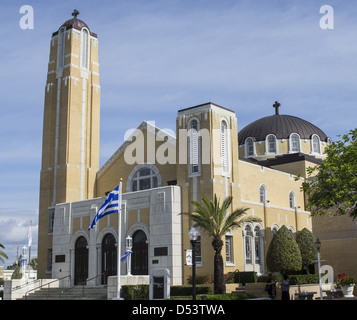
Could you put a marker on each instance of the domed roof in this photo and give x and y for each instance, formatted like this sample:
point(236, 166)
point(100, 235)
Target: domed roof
point(75, 23)
point(282, 126)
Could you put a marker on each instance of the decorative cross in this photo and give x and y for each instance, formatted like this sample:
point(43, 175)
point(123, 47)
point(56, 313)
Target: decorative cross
point(276, 105)
point(75, 13)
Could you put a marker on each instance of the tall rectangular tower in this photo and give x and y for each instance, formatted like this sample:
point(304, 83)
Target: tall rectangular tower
point(70, 147)
point(207, 164)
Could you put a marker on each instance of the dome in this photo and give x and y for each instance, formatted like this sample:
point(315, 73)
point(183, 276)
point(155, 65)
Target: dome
point(75, 23)
point(282, 126)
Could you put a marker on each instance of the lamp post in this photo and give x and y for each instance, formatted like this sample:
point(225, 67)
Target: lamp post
point(193, 234)
point(129, 246)
point(318, 246)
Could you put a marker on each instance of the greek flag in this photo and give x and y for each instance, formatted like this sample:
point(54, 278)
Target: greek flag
point(126, 255)
point(110, 205)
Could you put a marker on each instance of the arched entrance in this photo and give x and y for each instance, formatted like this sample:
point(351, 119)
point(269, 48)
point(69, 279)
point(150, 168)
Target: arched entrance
point(80, 260)
point(139, 262)
point(109, 257)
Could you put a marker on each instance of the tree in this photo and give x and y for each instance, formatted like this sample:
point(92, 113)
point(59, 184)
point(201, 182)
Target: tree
point(306, 242)
point(216, 220)
point(2, 254)
point(333, 190)
point(283, 253)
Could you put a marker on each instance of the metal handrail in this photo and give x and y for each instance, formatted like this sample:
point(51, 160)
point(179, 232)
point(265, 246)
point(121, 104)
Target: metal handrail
point(46, 284)
point(82, 284)
point(25, 285)
point(232, 275)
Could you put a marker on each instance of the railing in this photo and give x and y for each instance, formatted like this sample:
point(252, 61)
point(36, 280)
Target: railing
point(25, 285)
point(46, 284)
point(232, 275)
point(82, 284)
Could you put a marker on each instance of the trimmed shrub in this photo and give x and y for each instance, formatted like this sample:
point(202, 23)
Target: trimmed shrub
point(283, 252)
point(135, 292)
point(245, 277)
point(306, 242)
point(187, 290)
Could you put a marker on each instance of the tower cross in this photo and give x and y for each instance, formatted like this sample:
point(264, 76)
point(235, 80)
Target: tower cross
point(75, 13)
point(276, 105)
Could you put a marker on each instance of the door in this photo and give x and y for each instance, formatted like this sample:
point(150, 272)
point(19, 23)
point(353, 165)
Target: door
point(109, 257)
point(139, 262)
point(80, 261)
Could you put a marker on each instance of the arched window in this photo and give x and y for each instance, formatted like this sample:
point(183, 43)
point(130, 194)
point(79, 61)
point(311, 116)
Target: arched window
point(257, 237)
point(316, 144)
point(248, 244)
point(294, 142)
point(224, 147)
point(262, 193)
point(109, 257)
point(194, 146)
point(84, 48)
point(60, 48)
point(143, 179)
point(80, 260)
point(249, 147)
point(274, 230)
point(271, 144)
point(139, 262)
point(292, 199)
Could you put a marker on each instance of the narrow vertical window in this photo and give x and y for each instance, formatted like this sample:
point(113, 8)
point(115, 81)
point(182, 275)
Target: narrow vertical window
point(60, 48)
point(248, 245)
point(194, 146)
point(249, 151)
point(262, 193)
point(224, 147)
point(316, 144)
point(257, 244)
point(294, 143)
point(271, 144)
point(292, 199)
point(51, 219)
point(84, 49)
point(229, 249)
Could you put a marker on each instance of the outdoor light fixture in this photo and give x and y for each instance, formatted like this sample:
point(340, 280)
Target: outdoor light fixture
point(318, 246)
point(129, 246)
point(193, 234)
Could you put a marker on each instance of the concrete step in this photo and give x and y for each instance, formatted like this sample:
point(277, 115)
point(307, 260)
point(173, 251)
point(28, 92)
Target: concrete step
point(75, 293)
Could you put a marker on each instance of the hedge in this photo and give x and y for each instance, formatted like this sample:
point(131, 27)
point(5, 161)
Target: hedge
point(295, 279)
point(187, 290)
point(135, 292)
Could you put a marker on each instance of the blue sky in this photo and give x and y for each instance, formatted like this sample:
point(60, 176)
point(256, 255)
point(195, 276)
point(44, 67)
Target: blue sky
point(157, 56)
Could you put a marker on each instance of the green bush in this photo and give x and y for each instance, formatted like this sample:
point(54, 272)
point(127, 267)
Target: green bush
point(245, 277)
point(135, 292)
point(295, 279)
point(303, 279)
point(283, 252)
point(227, 296)
point(187, 290)
point(201, 279)
point(306, 242)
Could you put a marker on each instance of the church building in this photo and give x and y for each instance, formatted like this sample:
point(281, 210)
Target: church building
point(161, 174)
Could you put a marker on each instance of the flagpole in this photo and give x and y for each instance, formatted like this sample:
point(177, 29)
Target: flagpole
point(119, 241)
point(29, 243)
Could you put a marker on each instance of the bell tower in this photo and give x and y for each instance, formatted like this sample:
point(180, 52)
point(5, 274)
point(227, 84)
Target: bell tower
point(70, 146)
point(207, 164)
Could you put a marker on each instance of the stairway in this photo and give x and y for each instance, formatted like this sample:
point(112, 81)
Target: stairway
point(75, 293)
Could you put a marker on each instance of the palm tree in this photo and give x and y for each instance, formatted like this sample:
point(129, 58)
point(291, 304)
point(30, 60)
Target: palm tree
point(2, 254)
point(215, 220)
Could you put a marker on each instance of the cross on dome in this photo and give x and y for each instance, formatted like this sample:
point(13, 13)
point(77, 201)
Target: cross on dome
point(276, 105)
point(75, 13)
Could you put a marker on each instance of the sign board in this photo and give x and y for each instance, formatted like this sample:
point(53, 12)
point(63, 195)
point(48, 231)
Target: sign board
point(189, 257)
